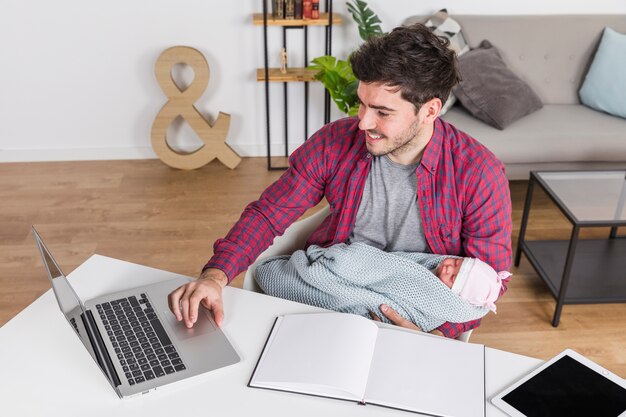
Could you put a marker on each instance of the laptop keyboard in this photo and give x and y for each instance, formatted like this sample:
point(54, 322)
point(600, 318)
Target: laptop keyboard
point(143, 348)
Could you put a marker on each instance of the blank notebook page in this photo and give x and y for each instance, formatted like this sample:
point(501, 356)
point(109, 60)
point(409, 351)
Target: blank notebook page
point(326, 349)
point(423, 374)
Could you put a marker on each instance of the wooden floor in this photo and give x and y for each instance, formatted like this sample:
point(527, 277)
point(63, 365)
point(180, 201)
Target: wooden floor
point(147, 213)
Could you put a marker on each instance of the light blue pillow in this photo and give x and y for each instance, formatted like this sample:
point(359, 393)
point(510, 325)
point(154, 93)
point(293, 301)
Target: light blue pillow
point(604, 88)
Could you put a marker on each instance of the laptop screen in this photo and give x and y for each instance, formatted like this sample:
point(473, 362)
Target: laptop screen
point(66, 297)
point(68, 301)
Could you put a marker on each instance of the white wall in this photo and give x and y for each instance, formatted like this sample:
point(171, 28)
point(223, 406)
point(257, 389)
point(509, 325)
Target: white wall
point(76, 76)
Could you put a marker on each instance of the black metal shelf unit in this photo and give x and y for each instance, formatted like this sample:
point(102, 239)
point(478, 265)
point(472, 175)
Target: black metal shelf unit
point(301, 75)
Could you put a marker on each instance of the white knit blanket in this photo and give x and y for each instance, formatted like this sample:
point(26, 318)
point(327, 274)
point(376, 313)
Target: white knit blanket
point(358, 278)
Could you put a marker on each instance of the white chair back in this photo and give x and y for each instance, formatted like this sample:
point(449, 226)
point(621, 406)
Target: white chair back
point(293, 239)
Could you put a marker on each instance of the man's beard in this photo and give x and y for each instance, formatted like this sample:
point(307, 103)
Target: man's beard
point(400, 144)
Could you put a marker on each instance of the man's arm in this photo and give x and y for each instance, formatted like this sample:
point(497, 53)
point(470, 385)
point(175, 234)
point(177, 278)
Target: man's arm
point(486, 228)
point(485, 233)
point(299, 188)
point(279, 206)
point(282, 203)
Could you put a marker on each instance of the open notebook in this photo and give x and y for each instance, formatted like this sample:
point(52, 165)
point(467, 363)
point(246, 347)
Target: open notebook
point(352, 358)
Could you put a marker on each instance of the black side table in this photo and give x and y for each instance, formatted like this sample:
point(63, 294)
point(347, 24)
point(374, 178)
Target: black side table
point(580, 271)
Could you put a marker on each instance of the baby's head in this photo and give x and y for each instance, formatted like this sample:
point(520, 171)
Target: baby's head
point(472, 279)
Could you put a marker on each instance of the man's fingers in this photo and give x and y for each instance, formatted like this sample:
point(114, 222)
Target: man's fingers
point(374, 316)
point(174, 302)
point(185, 301)
point(194, 303)
point(396, 318)
point(184, 305)
point(218, 312)
point(216, 307)
point(391, 314)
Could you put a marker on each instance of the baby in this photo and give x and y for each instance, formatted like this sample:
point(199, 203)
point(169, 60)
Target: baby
point(472, 279)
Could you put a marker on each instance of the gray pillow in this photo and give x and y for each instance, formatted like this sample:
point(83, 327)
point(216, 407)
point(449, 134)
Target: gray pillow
point(490, 91)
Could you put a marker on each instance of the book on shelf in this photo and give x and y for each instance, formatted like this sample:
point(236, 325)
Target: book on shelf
point(352, 358)
point(278, 9)
point(290, 9)
point(307, 8)
point(315, 9)
point(298, 9)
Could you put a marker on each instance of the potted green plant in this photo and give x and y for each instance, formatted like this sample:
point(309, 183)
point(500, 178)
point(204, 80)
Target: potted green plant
point(336, 74)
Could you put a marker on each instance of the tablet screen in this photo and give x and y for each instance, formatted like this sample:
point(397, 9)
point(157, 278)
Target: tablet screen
point(568, 388)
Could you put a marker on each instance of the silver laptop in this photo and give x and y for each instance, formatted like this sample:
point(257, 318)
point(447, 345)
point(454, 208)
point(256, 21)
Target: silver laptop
point(134, 338)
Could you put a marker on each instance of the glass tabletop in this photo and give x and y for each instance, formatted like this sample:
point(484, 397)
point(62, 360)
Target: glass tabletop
point(589, 195)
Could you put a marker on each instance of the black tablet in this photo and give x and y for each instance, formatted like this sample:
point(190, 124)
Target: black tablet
point(567, 385)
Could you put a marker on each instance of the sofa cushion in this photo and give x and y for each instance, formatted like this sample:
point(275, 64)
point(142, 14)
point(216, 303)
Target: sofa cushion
point(492, 92)
point(441, 24)
point(553, 66)
point(556, 133)
point(604, 88)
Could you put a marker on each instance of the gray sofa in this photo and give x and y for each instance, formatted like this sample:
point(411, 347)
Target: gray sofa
point(552, 54)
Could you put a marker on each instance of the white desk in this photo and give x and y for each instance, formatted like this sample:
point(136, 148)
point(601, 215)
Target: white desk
point(45, 370)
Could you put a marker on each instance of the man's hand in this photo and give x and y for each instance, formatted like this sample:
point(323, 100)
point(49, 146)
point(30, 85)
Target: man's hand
point(395, 318)
point(207, 289)
point(398, 320)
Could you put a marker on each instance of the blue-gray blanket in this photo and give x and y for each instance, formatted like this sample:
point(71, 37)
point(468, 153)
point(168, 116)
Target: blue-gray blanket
point(358, 278)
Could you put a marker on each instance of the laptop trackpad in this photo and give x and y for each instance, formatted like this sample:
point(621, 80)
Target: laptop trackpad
point(202, 326)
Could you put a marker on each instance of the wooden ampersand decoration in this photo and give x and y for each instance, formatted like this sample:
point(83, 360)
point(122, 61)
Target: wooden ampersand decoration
point(181, 103)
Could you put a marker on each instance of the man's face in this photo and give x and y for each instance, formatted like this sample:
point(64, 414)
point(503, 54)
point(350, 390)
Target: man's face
point(391, 124)
point(448, 270)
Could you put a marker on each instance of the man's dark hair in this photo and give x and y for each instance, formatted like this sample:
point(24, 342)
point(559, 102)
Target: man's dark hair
point(411, 58)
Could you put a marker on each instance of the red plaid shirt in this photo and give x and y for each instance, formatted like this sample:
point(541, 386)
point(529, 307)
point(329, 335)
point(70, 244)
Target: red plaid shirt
point(462, 192)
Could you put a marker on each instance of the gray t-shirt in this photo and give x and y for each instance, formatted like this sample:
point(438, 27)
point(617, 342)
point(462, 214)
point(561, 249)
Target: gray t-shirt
point(389, 215)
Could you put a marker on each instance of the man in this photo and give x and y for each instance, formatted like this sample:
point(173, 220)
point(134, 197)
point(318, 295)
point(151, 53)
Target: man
point(397, 177)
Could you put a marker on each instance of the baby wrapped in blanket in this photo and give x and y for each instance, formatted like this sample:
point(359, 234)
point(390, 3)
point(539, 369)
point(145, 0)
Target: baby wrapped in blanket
point(427, 289)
